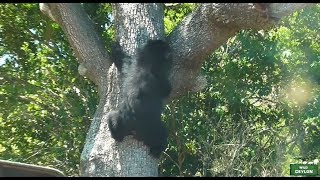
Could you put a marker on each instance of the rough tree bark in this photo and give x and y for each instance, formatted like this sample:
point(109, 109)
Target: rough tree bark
point(198, 35)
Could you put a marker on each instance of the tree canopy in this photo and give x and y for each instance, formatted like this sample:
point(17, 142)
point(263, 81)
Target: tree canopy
point(258, 113)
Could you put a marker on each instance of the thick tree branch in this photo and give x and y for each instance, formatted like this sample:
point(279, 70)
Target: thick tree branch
point(86, 43)
point(203, 31)
point(208, 27)
point(102, 155)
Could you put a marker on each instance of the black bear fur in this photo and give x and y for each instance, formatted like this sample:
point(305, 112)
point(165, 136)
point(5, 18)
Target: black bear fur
point(145, 88)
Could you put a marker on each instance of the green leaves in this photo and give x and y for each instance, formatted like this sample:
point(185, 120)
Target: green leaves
point(175, 13)
point(260, 107)
point(48, 105)
point(250, 118)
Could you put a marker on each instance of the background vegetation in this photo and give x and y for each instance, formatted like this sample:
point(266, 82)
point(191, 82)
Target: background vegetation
point(259, 113)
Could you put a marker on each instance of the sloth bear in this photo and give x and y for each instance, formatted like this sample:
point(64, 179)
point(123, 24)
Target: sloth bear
point(145, 87)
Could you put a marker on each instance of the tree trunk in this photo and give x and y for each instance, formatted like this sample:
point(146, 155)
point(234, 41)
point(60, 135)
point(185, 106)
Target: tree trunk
point(135, 24)
point(207, 28)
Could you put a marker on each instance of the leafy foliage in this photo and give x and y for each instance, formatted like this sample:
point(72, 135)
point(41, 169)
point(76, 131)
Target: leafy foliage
point(174, 14)
point(47, 104)
point(259, 112)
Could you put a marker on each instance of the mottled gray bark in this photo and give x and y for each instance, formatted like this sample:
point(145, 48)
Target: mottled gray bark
point(86, 43)
point(135, 24)
point(210, 26)
point(198, 35)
